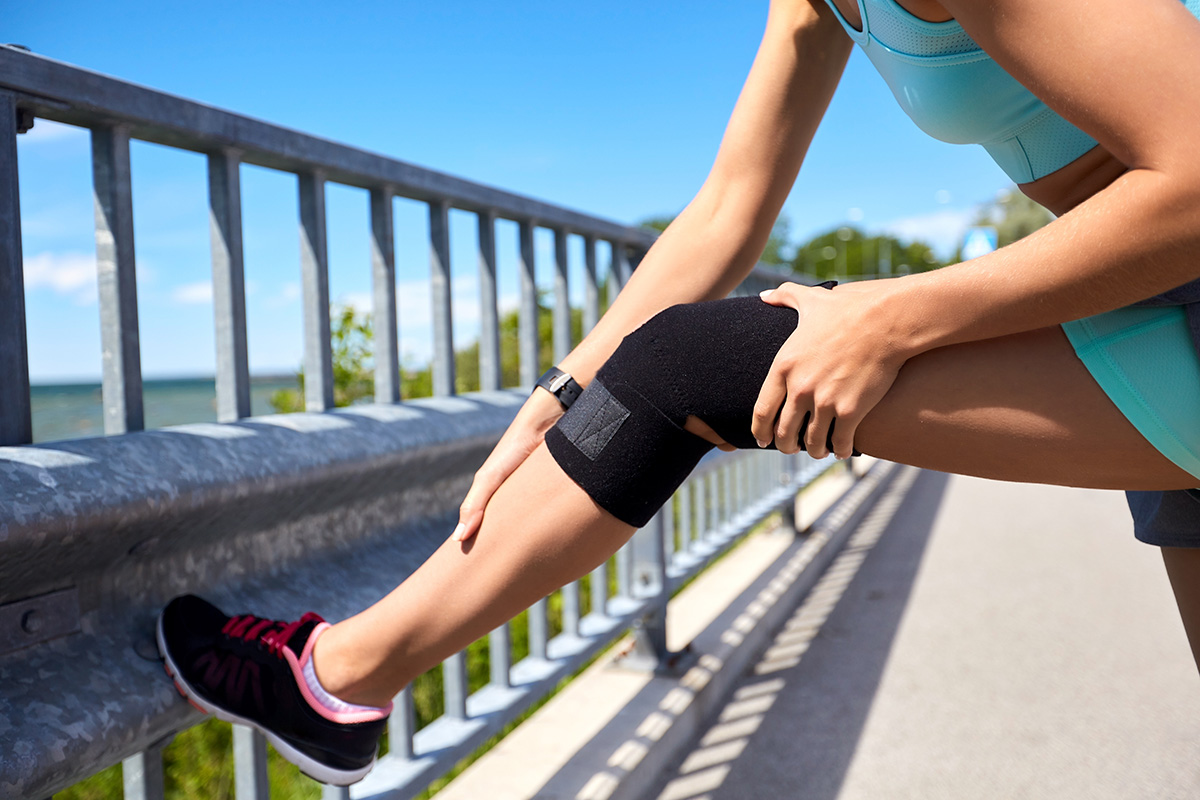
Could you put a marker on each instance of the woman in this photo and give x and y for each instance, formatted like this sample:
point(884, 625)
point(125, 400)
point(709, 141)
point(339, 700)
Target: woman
point(1016, 365)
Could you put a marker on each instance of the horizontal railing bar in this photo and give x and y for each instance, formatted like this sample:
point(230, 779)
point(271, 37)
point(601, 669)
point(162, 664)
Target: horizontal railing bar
point(67, 93)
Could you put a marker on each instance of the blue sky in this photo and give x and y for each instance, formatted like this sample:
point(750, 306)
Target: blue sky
point(615, 109)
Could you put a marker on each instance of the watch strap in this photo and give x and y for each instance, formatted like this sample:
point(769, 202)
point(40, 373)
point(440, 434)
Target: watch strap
point(560, 384)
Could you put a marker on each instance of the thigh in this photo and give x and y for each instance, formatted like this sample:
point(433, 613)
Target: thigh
point(1021, 408)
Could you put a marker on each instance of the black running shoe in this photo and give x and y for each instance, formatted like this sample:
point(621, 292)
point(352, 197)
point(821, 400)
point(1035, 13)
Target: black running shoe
point(250, 670)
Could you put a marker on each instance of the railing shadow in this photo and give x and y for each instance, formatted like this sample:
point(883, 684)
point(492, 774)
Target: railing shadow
point(792, 728)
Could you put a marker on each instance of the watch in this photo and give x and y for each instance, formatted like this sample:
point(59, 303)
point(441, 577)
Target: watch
point(560, 384)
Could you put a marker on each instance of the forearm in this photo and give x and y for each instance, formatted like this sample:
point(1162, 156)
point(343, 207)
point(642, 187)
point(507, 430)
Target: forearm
point(700, 257)
point(1136, 238)
point(718, 238)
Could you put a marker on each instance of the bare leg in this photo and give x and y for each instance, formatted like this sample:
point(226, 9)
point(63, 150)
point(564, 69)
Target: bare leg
point(540, 531)
point(1183, 568)
point(1017, 408)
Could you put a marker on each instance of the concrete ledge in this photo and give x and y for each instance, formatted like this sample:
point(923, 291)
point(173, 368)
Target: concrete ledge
point(610, 733)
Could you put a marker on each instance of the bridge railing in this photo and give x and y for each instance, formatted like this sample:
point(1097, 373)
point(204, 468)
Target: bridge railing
point(324, 509)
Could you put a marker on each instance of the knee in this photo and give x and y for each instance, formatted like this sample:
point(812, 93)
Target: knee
point(657, 349)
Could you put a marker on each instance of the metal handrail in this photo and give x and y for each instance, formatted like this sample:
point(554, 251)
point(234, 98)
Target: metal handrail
point(95, 534)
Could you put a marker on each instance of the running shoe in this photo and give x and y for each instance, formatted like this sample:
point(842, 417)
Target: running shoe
point(250, 670)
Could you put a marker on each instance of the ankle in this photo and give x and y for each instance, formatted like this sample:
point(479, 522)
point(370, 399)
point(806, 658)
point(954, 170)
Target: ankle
point(343, 676)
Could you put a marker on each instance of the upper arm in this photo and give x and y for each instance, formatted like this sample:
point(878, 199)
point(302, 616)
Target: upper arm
point(795, 72)
point(1127, 73)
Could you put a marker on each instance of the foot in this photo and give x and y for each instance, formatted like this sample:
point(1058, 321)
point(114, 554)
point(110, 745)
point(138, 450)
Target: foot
point(251, 671)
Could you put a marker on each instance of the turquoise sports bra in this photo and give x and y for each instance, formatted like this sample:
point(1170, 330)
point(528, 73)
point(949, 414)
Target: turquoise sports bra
point(955, 92)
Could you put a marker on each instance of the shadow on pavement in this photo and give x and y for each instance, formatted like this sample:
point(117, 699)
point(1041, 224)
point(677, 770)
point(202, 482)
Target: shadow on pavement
point(792, 727)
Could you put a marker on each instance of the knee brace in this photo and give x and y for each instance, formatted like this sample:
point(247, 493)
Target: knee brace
point(623, 440)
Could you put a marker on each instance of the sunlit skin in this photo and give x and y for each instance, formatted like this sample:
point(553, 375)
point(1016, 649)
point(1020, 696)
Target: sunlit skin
point(963, 369)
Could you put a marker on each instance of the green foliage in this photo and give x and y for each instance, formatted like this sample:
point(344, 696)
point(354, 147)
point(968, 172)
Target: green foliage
point(657, 223)
point(1014, 216)
point(849, 253)
point(419, 382)
point(778, 243)
point(351, 339)
point(199, 763)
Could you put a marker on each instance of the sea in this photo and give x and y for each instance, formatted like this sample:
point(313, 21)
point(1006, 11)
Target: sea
point(73, 410)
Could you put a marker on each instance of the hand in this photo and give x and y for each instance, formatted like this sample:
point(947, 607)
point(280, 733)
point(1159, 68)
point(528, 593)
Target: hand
point(840, 361)
point(527, 431)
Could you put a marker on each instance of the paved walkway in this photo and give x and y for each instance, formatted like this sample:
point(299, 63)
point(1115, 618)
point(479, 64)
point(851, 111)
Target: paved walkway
point(997, 641)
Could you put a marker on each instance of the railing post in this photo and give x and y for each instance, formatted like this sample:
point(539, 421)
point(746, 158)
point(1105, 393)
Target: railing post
point(539, 629)
point(621, 271)
point(599, 587)
point(500, 656)
point(229, 284)
point(624, 564)
point(454, 685)
point(668, 528)
point(142, 774)
point(562, 301)
point(440, 289)
point(700, 520)
point(402, 725)
point(383, 297)
point(570, 609)
point(314, 280)
point(591, 292)
point(650, 577)
point(731, 507)
point(250, 764)
point(16, 423)
point(685, 516)
point(489, 318)
point(116, 273)
point(528, 343)
point(714, 502)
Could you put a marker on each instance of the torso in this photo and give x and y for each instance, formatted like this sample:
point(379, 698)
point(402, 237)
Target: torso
point(1059, 191)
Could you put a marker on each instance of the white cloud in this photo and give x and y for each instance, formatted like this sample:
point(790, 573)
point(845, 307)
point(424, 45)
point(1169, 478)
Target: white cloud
point(288, 294)
point(44, 130)
point(362, 302)
point(192, 294)
point(942, 230)
point(71, 274)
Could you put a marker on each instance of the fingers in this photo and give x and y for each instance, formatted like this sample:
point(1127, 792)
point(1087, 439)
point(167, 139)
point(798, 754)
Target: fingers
point(842, 435)
point(470, 512)
point(782, 295)
point(793, 419)
point(816, 437)
point(766, 407)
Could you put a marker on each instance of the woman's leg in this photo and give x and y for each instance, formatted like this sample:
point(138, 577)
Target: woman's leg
point(1183, 568)
point(539, 532)
point(1016, 408)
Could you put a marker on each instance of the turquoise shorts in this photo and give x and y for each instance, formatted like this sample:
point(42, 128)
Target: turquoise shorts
point(1145, 360)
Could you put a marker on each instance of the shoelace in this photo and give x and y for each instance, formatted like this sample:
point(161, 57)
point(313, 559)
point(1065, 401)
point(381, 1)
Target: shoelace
point(271, 632)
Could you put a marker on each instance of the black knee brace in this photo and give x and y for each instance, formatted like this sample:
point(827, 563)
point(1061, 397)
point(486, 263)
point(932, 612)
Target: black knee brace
point(623, 440)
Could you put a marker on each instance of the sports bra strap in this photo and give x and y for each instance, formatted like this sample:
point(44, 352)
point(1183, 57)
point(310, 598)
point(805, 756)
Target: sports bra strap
point(859, 36)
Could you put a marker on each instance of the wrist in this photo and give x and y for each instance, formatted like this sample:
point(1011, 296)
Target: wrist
point(559, 384)
point(900, 310)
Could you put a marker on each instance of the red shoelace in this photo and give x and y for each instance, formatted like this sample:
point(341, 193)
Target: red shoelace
point(271, 632)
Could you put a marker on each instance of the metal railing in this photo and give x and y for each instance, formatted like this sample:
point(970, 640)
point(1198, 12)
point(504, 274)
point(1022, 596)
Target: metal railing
point(327, 509)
